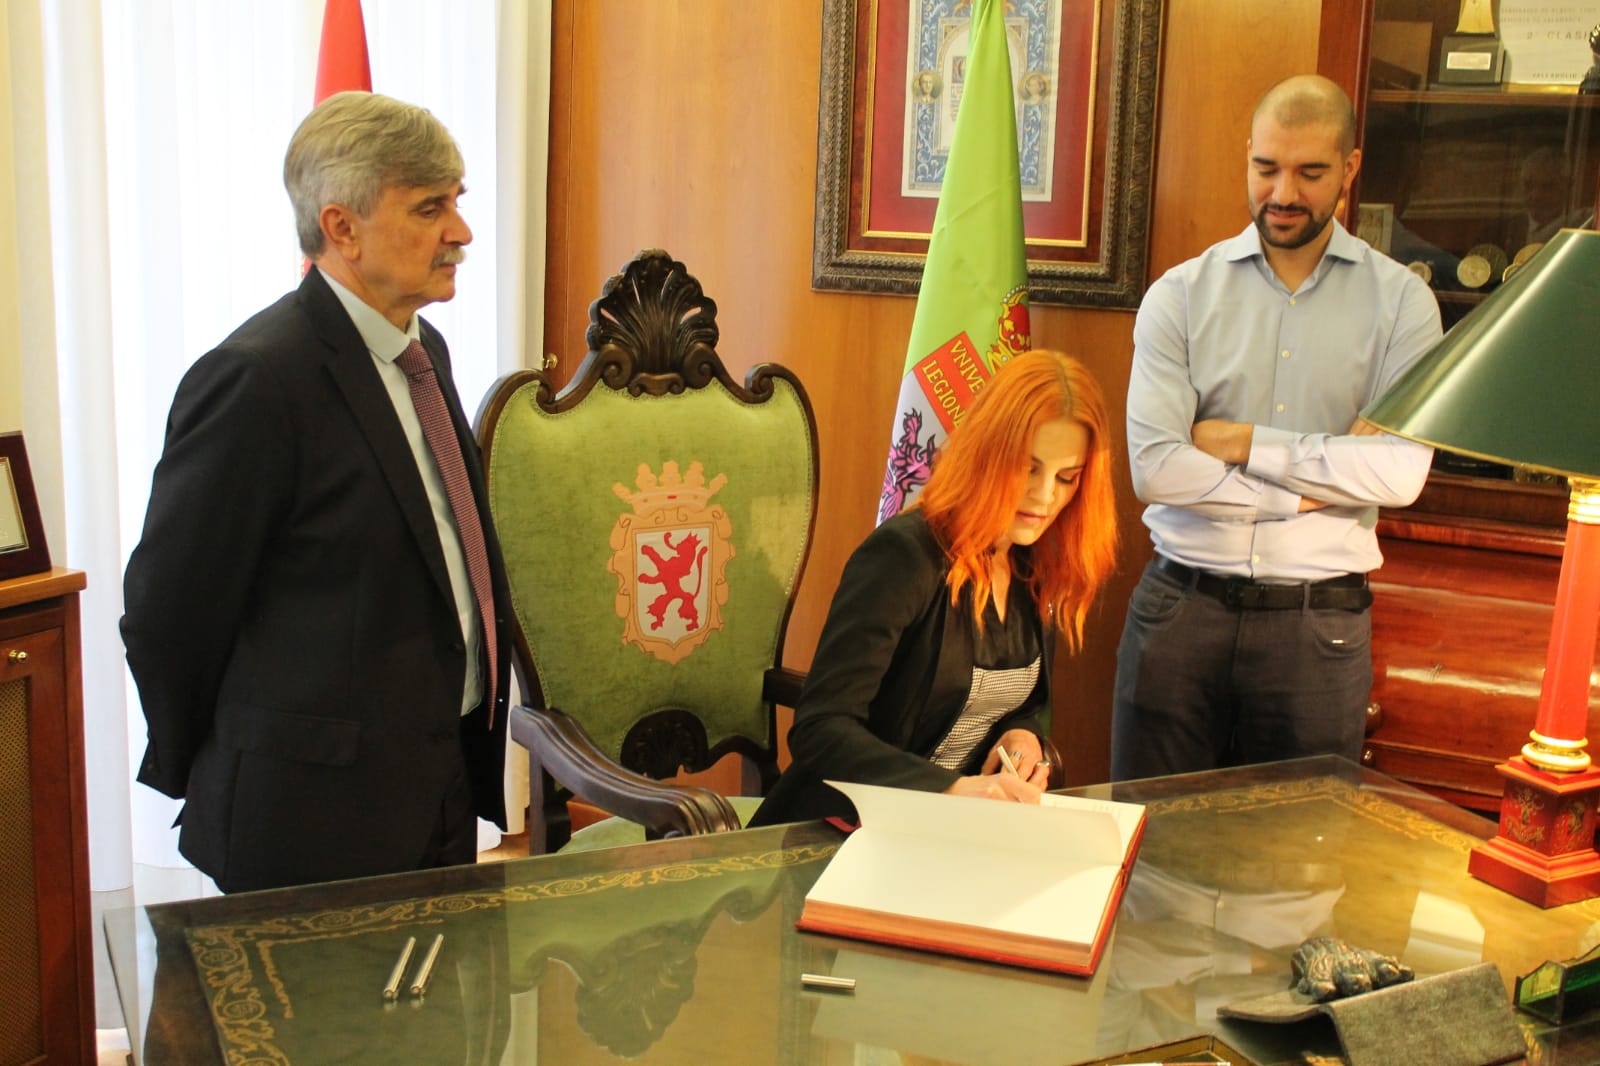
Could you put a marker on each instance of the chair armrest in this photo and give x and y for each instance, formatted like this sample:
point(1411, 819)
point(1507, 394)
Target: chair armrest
point(1058, 771)
point(783, 686)
point(568, 754)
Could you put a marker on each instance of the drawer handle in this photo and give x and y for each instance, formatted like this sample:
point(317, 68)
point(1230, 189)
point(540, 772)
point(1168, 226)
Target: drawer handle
point(17, 655)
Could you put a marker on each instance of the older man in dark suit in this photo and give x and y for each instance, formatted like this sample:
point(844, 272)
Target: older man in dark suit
point(311, 611)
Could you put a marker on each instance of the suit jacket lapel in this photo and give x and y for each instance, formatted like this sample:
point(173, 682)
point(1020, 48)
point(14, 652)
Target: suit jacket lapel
point(350, 364)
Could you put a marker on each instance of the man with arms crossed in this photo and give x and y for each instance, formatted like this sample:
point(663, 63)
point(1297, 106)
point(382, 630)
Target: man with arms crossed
point(1248, 638)
point(311, 608)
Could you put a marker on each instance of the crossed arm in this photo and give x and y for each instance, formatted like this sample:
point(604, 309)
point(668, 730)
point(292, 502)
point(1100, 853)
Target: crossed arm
point(1238, 471)
point(1229, 442)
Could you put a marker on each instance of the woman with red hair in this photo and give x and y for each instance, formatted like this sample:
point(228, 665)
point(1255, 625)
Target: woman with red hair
point(936, 652)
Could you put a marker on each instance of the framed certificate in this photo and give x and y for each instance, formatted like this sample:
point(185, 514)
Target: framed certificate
point(1547, 41)
point(22, 546)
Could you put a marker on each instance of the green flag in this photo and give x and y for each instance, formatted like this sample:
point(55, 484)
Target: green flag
point(972, 308)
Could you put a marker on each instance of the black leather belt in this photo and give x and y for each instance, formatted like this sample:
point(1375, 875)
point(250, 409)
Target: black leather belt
point(1347, 592)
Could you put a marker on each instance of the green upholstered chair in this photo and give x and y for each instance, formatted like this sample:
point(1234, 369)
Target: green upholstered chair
point(655, 517)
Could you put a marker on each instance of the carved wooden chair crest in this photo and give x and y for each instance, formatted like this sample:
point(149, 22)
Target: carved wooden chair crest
point(655, 517)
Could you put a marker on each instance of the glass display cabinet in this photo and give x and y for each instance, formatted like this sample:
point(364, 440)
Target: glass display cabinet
point(1477, 146)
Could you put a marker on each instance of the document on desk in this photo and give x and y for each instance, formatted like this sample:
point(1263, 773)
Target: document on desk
point(1034, 886)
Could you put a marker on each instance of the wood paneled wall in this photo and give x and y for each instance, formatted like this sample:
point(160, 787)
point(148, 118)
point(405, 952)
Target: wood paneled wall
point(691, 125)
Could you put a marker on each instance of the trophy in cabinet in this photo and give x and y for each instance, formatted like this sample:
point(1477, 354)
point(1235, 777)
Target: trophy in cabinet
point(1472, 55)
point(1590, 85)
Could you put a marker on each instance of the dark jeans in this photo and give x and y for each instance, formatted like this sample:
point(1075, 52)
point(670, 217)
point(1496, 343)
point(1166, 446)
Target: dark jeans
point(1202, 685)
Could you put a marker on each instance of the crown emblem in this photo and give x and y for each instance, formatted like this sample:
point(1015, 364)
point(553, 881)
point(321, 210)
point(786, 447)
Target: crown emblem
point(671, 489)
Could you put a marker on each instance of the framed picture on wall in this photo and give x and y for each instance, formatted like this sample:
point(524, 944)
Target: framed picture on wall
point(1084, 73)
point(22, 547)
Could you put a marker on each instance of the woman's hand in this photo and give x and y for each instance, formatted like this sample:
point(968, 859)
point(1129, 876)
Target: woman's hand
point(995, 786)
point(1026, 756)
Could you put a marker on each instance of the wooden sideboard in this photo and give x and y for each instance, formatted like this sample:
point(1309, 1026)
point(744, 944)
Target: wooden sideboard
point(1460, 628)
point(47, 981)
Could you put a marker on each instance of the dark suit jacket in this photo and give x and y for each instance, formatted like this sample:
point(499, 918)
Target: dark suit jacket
point(289, 619)
point(892, 672)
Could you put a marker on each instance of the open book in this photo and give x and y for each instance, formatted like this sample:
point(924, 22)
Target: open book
point(1008, 882)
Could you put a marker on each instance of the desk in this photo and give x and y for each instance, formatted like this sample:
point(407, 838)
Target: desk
point(685, 951)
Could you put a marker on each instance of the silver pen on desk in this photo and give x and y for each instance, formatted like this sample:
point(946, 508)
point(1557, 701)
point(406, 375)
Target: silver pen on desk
point(419, 984)
point(391, 990)
point(827, 983)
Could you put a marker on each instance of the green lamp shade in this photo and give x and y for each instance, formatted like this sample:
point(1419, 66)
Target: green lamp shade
point(1518, 380)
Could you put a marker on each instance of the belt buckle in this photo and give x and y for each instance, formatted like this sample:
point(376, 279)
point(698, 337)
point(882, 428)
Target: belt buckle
point(1233, 593)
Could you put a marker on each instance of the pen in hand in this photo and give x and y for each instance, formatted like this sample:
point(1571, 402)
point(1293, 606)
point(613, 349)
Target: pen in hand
point(1007, 762)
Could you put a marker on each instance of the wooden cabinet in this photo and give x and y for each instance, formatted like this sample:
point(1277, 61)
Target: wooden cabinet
point(1457, 180)
point(47, 979)
point(1460, 627)
point(1464, 186)
point(1464, 600)
point(1453, 168)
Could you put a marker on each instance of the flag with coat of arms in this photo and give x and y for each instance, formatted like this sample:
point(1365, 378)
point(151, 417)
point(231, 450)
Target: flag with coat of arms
point(972, 307)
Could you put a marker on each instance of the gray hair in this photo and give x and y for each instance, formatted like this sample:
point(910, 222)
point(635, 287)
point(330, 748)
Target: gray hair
point(354, 144)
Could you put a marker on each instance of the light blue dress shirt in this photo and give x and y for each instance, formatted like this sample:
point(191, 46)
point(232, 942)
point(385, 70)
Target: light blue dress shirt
point(1220, 336)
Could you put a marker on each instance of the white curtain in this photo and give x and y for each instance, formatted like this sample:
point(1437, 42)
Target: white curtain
point(159, 223)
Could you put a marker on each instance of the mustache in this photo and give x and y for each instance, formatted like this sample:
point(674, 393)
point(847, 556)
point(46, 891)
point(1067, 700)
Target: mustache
point(1284, 208)
point(450, 257)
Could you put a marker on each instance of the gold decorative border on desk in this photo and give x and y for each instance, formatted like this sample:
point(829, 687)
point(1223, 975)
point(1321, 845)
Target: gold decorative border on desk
point(1359, 801)
point(225, 954)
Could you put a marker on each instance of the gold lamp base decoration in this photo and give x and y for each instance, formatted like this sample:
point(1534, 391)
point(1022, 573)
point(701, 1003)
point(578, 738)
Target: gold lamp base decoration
point(1543, 850)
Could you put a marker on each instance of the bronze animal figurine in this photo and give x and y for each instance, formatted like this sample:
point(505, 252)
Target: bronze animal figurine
point(1327, 968)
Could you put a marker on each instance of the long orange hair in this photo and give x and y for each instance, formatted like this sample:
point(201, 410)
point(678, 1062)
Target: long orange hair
point(971, 496)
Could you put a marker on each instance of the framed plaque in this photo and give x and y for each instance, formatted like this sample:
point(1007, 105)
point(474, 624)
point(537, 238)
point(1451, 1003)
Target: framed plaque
point(1547, 41)
point(1375, 225)
point(22, 546)
point(1084, 77)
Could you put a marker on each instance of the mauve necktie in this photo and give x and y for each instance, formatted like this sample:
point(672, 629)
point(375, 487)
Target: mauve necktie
point(440, 433)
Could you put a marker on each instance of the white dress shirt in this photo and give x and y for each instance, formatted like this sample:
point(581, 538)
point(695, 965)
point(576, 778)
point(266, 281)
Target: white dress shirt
point(385, 343)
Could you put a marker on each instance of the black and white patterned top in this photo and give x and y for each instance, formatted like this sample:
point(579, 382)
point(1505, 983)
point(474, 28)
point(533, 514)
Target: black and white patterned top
point(995, 694)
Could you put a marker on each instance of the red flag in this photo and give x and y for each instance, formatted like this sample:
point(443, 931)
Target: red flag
point(342, 60)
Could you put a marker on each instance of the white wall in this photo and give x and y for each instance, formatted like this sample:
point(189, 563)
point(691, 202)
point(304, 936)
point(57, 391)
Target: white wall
point(29, 397)
point(10, 333)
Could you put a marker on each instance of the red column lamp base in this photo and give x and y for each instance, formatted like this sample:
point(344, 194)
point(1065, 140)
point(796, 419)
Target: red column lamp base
point(1543, 850)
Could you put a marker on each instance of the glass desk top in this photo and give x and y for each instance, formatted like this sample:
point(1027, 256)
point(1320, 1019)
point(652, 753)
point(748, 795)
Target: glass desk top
point(685, 951)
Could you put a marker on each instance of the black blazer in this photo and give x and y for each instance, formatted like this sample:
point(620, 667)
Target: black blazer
point(289, 619)
point(892, 672)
